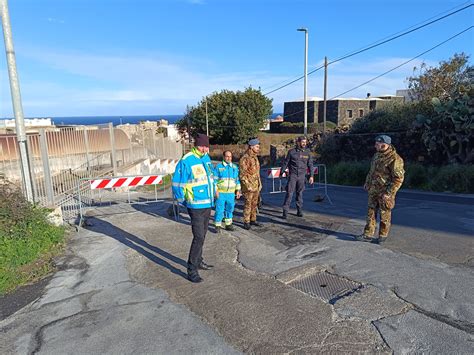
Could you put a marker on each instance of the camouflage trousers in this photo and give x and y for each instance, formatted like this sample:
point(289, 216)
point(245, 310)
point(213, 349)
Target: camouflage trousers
point(250, 208)
point(373, 209)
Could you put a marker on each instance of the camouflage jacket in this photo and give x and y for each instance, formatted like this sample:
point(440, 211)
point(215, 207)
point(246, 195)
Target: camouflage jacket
point(250, 172)
point(386, 172)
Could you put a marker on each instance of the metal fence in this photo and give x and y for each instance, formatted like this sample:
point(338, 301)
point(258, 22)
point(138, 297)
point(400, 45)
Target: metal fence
point(61, 157)
point(272, 182)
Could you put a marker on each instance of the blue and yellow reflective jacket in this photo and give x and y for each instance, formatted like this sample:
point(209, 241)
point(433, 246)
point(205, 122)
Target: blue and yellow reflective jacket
point(227, 177)
point(193, 182)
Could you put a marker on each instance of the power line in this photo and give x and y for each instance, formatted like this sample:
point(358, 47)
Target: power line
point(400, 35)
point(376, 44)
point(394, 68)
point(393, 34)
point(408, 61)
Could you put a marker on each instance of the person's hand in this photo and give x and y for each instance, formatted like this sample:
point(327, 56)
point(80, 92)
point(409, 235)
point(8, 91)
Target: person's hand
point(238, 194)
point(311, 180)
point(217, 194)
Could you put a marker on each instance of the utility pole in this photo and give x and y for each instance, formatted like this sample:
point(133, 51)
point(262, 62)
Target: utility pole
point(207, 120)
point(16, 101)
point(325, 93)
point(305, 30)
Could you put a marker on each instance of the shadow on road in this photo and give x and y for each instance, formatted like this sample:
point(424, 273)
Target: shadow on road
point(151, 252)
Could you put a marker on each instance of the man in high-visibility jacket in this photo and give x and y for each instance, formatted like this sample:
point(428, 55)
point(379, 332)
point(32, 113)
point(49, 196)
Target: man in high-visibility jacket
point(226, 175)
point(194, 187)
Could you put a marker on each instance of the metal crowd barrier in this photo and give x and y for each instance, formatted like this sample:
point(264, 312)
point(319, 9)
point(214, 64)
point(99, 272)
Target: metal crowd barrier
point(109, 195)
point(273, 184)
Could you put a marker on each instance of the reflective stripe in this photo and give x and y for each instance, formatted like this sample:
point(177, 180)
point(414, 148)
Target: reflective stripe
point(179, 184)
point(226, 179)
point(225, 190)
point(200, 202)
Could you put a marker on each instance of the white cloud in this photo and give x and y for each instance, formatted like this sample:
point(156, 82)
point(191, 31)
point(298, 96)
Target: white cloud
point(127, 85)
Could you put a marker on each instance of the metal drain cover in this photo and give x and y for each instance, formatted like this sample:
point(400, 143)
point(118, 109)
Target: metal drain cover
point(324, 285)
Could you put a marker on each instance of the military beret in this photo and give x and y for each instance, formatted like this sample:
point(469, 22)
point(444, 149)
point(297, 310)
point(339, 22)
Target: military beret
point(383, 138)
point(254, 141)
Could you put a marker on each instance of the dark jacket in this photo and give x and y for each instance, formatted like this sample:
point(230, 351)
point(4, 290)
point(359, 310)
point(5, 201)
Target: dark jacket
point(298, 161)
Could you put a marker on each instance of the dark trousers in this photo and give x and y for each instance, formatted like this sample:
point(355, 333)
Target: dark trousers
point(295, 183)
point(199, 223)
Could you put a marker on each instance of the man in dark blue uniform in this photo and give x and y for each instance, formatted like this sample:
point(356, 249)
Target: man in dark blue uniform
point(298, 161)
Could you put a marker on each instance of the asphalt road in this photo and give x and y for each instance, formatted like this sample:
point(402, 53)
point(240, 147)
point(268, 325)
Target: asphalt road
point(122, 288)
point(426, 225)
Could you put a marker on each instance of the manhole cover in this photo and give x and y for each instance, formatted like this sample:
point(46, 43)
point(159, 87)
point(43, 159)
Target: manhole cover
point(324, 285)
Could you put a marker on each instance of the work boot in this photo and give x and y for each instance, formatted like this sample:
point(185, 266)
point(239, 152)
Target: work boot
point(299, 213)
point(204, 266)
point(218, 229)
point(379, 240)
point(247, 226)
point(194, 278)
point(256, 224)
point(363, 238)
point(285, 215)
point(229, 228)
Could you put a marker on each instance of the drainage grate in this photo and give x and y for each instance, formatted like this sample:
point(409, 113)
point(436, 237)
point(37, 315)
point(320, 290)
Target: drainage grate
point(326, 286)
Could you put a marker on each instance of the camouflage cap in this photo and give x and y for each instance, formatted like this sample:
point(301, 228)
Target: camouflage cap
point(383, 138)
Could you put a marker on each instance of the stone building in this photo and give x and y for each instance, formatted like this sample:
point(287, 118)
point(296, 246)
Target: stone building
point(340, 111)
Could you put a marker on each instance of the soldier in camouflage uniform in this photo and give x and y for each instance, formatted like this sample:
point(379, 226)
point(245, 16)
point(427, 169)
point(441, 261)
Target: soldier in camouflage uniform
point(382, 183)
point(250, 182)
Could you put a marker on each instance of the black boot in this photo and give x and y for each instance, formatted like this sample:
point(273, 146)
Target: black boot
point(204, 266)
point(256, 224)
point(229, 228)
point(194, 277)
point(299, 213)
point(247, 226)
point(284, 215)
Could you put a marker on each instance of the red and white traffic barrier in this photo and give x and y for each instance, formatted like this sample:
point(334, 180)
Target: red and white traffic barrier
point(274, 173)
point(108, 183)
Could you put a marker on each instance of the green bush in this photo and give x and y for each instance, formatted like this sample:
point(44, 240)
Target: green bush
point(348, 173)
point(417, 176)
point(453, 178)
point(393, 117)
point(27, 240)
point(449, 178)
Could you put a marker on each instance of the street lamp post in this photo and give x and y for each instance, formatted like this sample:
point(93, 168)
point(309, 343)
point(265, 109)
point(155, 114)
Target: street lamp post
point(305, 30)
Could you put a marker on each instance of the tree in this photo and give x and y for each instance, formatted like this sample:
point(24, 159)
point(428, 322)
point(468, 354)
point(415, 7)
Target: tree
point(445, 81)
point(234, 117)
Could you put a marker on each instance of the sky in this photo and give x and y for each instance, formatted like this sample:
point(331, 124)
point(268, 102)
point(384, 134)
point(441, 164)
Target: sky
point(149, 57)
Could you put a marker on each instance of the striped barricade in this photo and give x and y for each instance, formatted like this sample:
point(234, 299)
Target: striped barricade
point(130, 181)
point(119, 191)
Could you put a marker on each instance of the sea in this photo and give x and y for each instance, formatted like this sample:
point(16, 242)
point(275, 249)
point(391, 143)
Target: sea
point(116, 120)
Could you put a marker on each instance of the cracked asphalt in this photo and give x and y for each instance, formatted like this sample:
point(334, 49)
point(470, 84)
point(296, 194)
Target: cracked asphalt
point(121, 287)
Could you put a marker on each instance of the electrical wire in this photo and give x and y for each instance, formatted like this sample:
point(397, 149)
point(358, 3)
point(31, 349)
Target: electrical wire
point(374, 45)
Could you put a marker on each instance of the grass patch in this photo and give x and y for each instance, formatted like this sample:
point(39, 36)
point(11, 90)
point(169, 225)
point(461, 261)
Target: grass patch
point(448, 178)
point(27, 240)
